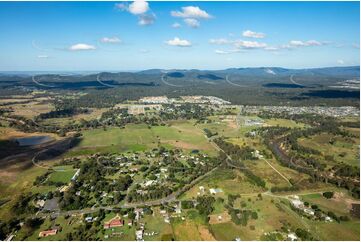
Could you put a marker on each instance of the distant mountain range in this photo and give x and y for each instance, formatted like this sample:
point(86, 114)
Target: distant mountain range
point(210, 74)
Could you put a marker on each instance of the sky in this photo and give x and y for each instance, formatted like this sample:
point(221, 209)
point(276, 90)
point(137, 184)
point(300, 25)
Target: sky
point(123, 36)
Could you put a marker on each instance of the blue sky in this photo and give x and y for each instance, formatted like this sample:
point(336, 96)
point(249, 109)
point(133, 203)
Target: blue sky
point(75, 36)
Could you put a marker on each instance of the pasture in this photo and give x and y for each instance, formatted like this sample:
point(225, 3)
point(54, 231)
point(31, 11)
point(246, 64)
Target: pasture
point(139, 137)
point(339, 149)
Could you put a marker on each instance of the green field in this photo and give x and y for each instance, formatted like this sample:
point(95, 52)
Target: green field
point(62, 174)
point(341, 149)
point(138, 137)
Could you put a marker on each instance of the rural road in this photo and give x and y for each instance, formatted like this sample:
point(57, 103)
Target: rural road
point(169, 84)
point(293, 81)
point(233, 84)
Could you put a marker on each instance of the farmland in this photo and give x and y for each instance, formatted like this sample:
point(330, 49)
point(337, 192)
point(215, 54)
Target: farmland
point(209, 176)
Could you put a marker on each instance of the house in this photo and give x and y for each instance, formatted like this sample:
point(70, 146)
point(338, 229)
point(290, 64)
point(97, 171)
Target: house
point(214, 191)
point(292, 237)
point(114, 222)
point(47, 233)
point(297, 203)
point(89, 219)
point(40, 203)
point(309, 211)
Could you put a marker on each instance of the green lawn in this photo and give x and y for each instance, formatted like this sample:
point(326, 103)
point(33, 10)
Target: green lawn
point(62, 174)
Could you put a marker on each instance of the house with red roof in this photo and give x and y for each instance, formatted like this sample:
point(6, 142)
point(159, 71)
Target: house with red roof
point(47, 233)
point(114, 222)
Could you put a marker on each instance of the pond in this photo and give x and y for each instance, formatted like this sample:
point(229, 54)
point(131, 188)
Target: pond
point(33, 140)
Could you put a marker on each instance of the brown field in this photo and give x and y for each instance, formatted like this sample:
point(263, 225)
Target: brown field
point(213, 218)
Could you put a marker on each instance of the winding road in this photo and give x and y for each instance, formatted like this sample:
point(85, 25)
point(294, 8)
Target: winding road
point(232, 83)
point(169, 84)
point(40, 84)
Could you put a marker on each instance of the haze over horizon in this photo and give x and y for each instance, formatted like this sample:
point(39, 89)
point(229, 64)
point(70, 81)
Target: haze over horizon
point(134, 36)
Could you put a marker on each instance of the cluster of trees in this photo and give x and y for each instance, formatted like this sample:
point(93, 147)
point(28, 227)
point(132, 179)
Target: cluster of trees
point(210, 133)
point(205, 205)
point(62, 113)
point(328, 195)
point(303, 234)
point(91, 182)
point(238, 154)
point(239, 216)
point(23, 205)
point(6, 228)
point(235, 151)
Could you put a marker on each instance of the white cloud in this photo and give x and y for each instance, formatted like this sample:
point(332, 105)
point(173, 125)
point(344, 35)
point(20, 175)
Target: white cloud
point(81, 46)
point(144, 51)
point(146, 19)
point(225, 52)
point(300, 43)
point(138, 7)
point(176, 25)
point(178, 42)
point(111, 40)
point(249, 44)
point(191, 22)
point(271, 48)
point(251, 34)
point(220, 41)
point(341, 62)
point(191, 12)
point(121, 6)
point(43, 56)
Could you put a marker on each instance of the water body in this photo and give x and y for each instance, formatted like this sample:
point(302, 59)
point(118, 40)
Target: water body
point(33, 140)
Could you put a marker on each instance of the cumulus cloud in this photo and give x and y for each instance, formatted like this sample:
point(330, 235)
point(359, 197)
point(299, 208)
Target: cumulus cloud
point(300, 43)
point(191, 12)
point(111, 40)
point(176, 25)
point(138, 8)
point(178, 42)
point(220, 41)
point(191, 22)
point(146, 19)
point(251, 34)
point(81, 46)
point(249, 44)
point(238, 44)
